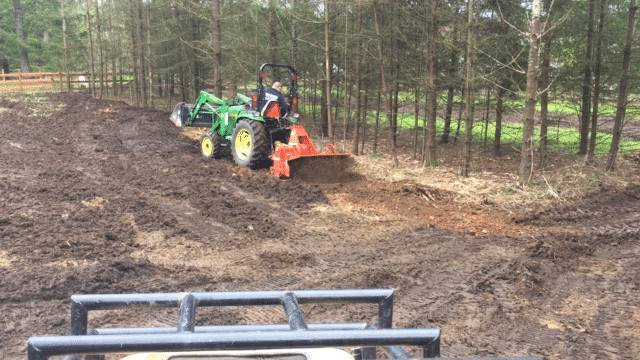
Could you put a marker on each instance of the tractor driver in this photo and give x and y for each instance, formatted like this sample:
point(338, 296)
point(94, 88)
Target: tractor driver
point(275, 93)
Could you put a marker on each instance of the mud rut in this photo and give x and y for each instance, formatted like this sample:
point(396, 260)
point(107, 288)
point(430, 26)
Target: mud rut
point(100, 197)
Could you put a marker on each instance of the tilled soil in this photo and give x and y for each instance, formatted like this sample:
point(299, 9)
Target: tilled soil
point(100, 197)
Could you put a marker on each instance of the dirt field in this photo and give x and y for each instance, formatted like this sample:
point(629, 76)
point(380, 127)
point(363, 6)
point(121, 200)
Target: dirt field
point(100, 197)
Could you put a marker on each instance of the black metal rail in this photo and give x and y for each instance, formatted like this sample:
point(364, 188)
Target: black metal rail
point(187, 336)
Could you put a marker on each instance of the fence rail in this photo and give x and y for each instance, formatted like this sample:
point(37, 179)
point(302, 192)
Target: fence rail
point(19, 81)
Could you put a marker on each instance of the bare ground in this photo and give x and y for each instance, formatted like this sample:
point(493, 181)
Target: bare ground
point(100, 197)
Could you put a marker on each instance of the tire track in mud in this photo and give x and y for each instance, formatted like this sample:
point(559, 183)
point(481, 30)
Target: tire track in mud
point(148, 215)
point(595, 267)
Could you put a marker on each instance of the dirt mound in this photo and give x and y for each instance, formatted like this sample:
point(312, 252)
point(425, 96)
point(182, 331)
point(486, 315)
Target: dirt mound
point(121, 275)
point(324, 170)
point(427, 205)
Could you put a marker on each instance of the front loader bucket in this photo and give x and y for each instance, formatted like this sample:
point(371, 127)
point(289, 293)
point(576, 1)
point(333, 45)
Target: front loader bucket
point(299, 156)
point(180, 114)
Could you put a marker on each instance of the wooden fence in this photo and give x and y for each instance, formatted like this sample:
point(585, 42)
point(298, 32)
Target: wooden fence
point(18, 81)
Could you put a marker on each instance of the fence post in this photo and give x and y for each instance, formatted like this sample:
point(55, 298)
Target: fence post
point(20, 80)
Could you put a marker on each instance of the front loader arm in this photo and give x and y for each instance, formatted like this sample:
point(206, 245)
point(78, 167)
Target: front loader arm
point(204, 98)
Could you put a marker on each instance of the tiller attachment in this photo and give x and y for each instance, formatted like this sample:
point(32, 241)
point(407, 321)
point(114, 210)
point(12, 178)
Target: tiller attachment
point(299, 147)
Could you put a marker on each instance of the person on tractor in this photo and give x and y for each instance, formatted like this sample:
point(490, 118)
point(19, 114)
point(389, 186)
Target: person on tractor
point(274, 93)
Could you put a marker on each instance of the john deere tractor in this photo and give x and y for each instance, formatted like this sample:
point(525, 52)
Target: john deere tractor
point(255, 129)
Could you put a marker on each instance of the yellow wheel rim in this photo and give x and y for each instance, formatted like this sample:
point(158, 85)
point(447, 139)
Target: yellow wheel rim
point(243, 144)
point(207, 146)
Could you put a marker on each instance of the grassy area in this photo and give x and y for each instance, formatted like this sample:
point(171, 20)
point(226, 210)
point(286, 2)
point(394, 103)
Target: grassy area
point(559, 138)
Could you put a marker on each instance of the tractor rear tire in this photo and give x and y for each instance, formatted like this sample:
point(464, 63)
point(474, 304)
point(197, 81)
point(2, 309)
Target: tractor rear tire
point(211, 145)
point(250, 144)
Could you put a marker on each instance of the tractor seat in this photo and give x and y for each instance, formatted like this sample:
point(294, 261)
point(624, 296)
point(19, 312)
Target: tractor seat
point(271, 108)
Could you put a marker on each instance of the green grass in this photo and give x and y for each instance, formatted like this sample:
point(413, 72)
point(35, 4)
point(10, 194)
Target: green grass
point(559, 138)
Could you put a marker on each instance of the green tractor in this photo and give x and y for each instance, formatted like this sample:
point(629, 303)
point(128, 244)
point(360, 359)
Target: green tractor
point(256, 129)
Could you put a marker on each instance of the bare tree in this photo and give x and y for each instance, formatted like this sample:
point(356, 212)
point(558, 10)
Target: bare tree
point(586, 86)
point(294, 35)
point(469, 91)
point(387, 101)
point(346, 102)
point(217, 48)
point(273, 38)
point(100, 56)
point(64, 44)
point(356, 116)
point(526, 163)
point(450, 89)
point(430, 157)
point(24, 56)
point(596, 86)
point(141, 55)
point(93, 71)
point(622, 94)
point(544, 84)
point(544, 97)
point(327, 70)
point(134, 55)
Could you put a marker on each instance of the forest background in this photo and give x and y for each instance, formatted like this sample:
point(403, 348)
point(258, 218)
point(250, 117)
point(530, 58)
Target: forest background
point(539, 75)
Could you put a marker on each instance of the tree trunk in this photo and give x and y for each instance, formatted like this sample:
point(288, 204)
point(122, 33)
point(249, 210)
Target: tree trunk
point(460, 109)
point(384, 89)
point(395, 95)
point(622, 94)
point(148, 16)
point(346, 104)
point(273, 39)
point(544, 84)
point(324, 111)
point(544, 99)
point(194, 57)
point(356, 116)
point(64, 44)
point(486, 115)
point(499, 111)
point(327, 70)
point(143, 80)
point(469, 91)
point(432, 63)
point(112, 51)
point(416, 118)
point(182, 71)
point(120, 74)
point(450, 90)
point(92, 83)
point(337, 103)
point(294, 39)
point(526, 164)
point(217, 49)
point(364, 122)
point(377, 125)
point(24, 56)
point(100, 56)
point(134, 54)
point(586, 87)
point(596, 87)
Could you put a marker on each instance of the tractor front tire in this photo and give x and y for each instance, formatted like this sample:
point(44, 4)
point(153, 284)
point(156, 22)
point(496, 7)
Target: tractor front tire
point(250, 144)
point(211, 145)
